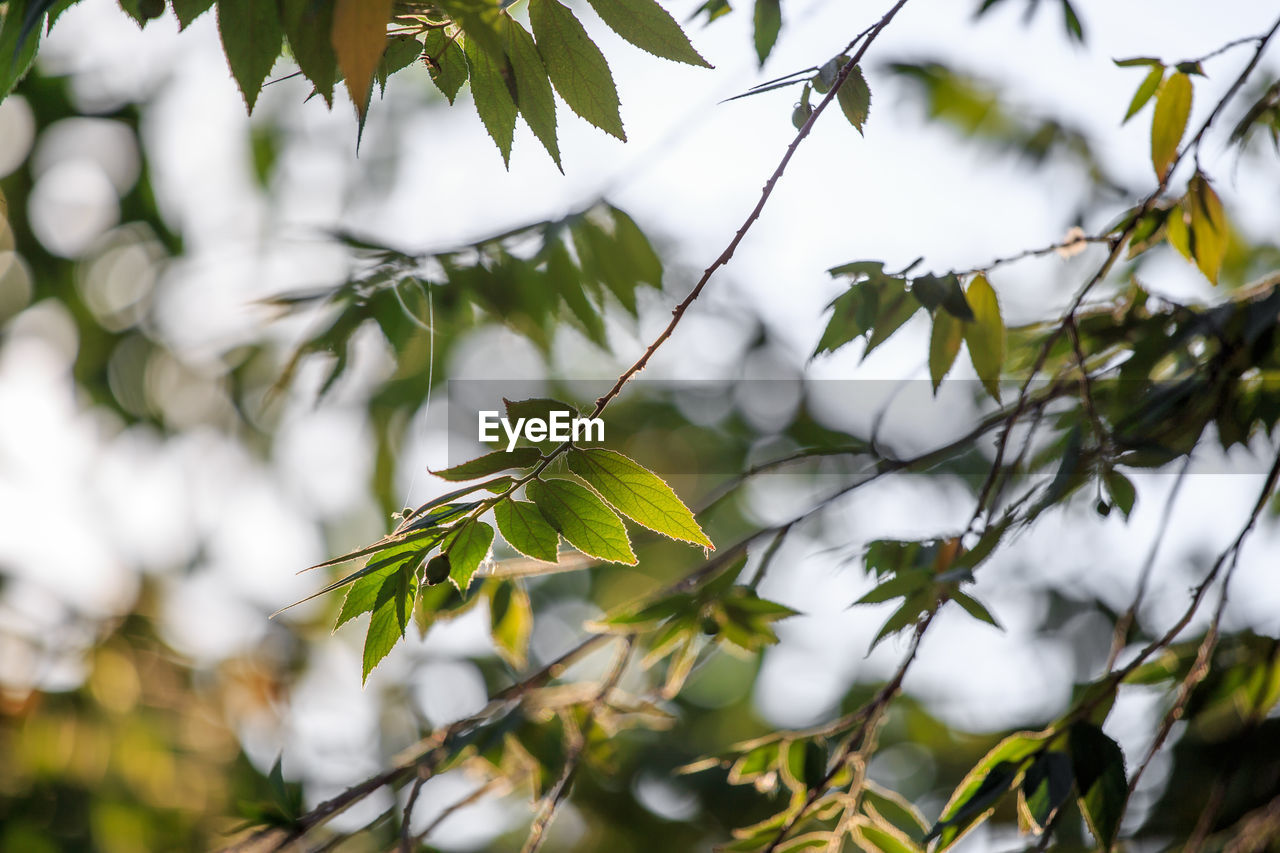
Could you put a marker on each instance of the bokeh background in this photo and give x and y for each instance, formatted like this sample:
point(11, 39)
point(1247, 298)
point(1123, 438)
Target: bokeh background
point(159, 488)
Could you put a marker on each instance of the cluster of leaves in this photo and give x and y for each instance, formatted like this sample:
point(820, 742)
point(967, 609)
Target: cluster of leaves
point(446, 540)
point(878, 303)
point(720, 610)
point(533, 279)
point(512, 69)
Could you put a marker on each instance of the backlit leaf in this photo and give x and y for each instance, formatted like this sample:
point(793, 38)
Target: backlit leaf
point(944, 346)
point(983, 786)
point(467, 547)
point(577, 68)
point(491, 463)
point(985, 336)
point(1145, 90)
point(1173, 107)
point(308, 25)
point(390, 618)
point(768, 23)
point(251, 39)
point(510, 622)
point(1100, 780)
point(637, 493)
point(446, 61)
point(1045, 787)
point(534, 98)
point(525, 529)
point(583, 519)
point(492, 95)
point(649, 27)
point(359, 36)
point(1209, 234)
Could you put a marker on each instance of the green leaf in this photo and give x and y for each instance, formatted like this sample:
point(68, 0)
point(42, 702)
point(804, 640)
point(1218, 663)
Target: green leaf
point(188, 10)
point(362, 595)
point(20, 33)
point(886, 839)
point(1145, 90)
point(975, 608)
point(1135, 61)
point(491, 463)
point(1100, 780)
point(510, 622)
point(1209, 234)
point(982, 787)
point(1072, 21)
point(446, 61)
point(891, 807)
point(569, 282)
point(905, 582)
point(494, 104)
point(583, 519)
point(1046, 786)
point(1123, 494)
point(855, 99)
point(637, 493)
point(525, 529)
point(307, 25)
point(534, 98)
point(985, 336)
point(944, 346)
point(390, 619)
point(912, 609)
point(402, 51)
point(649, 27)
point(359, 37)
point(251, 38)
point(635, 247)
point(945, 292)
point(768, 23)
point(1173, 108)
point(895, 307)
point(576, 66)
point(466, 547)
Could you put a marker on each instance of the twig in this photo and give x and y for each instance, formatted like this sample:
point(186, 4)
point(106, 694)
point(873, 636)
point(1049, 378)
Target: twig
point(1126, 621)
point(558, 793)
point(678, 312)
point(1062, 245)
point(405, 843)
point(1105, 268)
point(454, 807)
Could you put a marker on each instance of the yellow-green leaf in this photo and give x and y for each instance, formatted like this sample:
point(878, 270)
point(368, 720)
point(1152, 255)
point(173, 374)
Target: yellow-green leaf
point(1209, 234)
point(637, 493)
point(1173, 107)
point(649, 27)
point(525, 529)
point(982, 787)
point(985, 336)
point(944, 345)
point(466, 547)
point(510, 621)
point(359, 36)
point(390, 618)
point(251, 39)
point(583, 519)
point(1145, 90)
point(577, 68)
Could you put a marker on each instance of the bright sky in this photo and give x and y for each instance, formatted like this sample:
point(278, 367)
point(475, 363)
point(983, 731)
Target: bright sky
point(691, 171)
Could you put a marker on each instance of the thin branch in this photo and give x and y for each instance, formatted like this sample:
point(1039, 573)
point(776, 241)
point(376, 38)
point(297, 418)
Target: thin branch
point(1078, 241)
point(1105, 268)
point(551, 802)
point(406, 844)
point(766, 192)
point(456, 806)
point(1125, 623)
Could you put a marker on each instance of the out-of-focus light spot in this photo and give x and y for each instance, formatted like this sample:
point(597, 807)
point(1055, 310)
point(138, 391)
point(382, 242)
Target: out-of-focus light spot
point(72, 205)
point(117, 282)
point(182, 394)
point(15, 279)
point(17, 132)
point(447, 691)
point(114, 681)
point(109, 144)
point(663, 798)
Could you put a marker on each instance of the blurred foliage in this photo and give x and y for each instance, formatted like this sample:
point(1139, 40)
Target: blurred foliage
point(148, 750)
